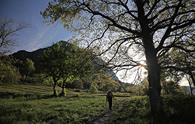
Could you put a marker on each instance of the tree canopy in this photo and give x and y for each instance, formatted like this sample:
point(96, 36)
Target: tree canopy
point(65, 61)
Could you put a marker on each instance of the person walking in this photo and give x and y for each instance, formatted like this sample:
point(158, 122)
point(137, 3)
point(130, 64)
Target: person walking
point(109, 99)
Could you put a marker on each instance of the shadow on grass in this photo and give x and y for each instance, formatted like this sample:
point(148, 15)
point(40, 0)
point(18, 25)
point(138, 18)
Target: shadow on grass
point(27, 96)
point(32, 96)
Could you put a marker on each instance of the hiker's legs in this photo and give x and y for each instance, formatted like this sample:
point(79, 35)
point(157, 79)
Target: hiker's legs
point(110, 104)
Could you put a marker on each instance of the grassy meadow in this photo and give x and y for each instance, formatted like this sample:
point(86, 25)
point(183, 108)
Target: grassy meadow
point(31, 103)
point(24, 104)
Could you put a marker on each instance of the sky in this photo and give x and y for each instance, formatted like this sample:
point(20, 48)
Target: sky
point(38, 34)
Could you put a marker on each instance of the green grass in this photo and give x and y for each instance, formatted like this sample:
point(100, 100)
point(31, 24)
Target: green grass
point(77, 107)
point(24, 104)
point(135, 110)
point(131, 110)
point(18, 107)
point(26, 89)
point(58, 110)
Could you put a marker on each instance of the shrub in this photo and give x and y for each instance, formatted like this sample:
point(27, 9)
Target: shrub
point(93, 88)
point(179, 108)
point(8, 73)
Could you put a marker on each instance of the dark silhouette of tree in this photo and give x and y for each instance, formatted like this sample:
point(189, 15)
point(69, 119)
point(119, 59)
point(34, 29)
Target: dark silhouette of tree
point(8, 30)
point(153, 26)
point(179, 62)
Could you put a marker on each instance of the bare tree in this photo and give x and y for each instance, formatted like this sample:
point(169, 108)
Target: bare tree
point(153, 26)
point(8, 30)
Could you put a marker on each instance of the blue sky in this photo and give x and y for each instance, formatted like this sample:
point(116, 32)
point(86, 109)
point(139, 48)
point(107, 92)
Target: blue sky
point(38, 34)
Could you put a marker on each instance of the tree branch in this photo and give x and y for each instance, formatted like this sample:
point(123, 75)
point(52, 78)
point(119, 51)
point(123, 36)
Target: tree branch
point(167, 32)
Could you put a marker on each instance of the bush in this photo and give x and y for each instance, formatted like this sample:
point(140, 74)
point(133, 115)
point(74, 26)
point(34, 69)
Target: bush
point(131, 110)
point(179, 109)
point(93, 88)
point(136, 110)
point(170, 88)
point(48, 81)
point(8, 73)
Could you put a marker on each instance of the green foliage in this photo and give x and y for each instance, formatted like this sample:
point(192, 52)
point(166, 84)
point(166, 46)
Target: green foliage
point(8, 72)
point(78, 84)
point(26, 67)
point(29, 65)
point(64, 60)
point(143, 87)
point(93, 88)
point(170, 87)
point(54, 11)
point(179, 109)
point(50, 62)
point(139, 89)
point(105, 82)
point(183, 64)
point(86, 85)
point(36, 78)
point(57, 63)
point(134, 110)
point(47, 81)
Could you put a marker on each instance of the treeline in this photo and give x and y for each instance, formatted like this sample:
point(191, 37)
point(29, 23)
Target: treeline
point(169, 87)
point(62, 65)
point(66, 65)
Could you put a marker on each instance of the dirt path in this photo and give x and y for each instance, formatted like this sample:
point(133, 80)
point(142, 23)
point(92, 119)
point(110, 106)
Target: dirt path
point(105, 118)
point(108, 116)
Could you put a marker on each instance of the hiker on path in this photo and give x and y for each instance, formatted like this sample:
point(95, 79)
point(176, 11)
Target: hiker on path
point(109, 99)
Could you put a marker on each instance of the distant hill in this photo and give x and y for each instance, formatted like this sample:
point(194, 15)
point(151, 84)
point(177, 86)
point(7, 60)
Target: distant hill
point(36, 55)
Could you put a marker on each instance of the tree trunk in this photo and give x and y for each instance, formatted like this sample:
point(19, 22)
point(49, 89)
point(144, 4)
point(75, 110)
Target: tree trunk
point(24, 77)
point(154, 86)
point(153, 66)
point(190, 87)
point(153, 78)
point(192, 77)
point(54, 86)
point(54, 89)
point(62, 92)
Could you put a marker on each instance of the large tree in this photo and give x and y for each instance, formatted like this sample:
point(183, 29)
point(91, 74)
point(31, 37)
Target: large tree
point(66, 61)
point(152, 26)
point(56, 62)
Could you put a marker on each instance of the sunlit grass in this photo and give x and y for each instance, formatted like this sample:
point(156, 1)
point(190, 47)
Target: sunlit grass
point(18, 107)
point(68, 110)
point(77, 107)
